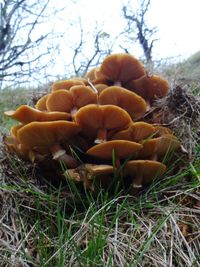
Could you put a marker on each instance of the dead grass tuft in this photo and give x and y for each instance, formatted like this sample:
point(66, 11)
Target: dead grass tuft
point(180, 111)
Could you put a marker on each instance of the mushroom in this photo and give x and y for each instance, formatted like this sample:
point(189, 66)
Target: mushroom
point(91, 74)
point(115, 150)
point(14, 146)
point(96, 120)
point(60, 100)
point(66, 84)
point(41, 103)
point(131, 102)
point(45, 137)
point(69, 101)
point(135, 132)
point(83, 95)
point(149, 87)
point(26, 114)
point(100, 87)
point(120, 69)
point(19, 149)
point(143, 172)
point(161, 130)
point(90, 175)
point(158, 147)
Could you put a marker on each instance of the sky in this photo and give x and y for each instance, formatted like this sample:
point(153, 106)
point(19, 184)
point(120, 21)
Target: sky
point(177, 22)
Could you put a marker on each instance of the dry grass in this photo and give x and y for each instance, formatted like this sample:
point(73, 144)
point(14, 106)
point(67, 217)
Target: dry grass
point(43, 225)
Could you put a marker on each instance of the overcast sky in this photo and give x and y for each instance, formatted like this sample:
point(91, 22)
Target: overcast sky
point(178, 22)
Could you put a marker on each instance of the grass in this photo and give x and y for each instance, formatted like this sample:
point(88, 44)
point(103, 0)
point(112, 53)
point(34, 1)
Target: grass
point(56, 224)
point(47, 226)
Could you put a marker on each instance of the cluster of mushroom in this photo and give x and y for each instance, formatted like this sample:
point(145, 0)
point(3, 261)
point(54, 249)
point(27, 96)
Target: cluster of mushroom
point(94, 125)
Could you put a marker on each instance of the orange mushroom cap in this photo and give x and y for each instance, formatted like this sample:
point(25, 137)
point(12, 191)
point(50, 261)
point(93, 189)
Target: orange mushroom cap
point(20, 150)
point(100, 87)
point(159, 146)
point(45, 134)
point(149, 87)
point(41, 103)
point(120, 68)
point(135, 132)
point(91, 175)
point(60, 100)
point(66, 84)
point(131, 102)
point(26, 114)
point(83, 95)
point(91, 74)
point(143, 171)
point(121, 148)
point(76, 97)
point(94, 118)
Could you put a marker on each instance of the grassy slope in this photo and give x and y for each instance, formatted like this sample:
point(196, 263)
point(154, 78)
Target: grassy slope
point(41, 225)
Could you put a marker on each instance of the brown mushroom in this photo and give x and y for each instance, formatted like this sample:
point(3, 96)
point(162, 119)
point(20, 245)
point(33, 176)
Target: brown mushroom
point(83, 95)
point(143, 172)
point(115, 150)
point(161, 130)
point(60, 100)
point(91, 74)
point(90, 174)
point(135, 132)
point(69, 101)
point(26, 114)
point(100, 87)
point(120, 68)
point(45, 137)
point(41, 103)
point(14, 146)
point(158, 147)
point(119, 96)
point(66, 84)
point(97, 120)
point(149, 87)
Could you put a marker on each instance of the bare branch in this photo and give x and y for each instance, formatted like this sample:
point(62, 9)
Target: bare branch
point(136, 22)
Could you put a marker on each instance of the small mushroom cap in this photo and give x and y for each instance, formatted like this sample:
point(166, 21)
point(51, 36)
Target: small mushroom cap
point(121, 148)
point(159, 146)
point(26, 114)
point(120, 67)
point(100, 87)
point(60, 100)
point(83, 95)
point(94, 117)
point(99, 169)
point(91, 74)
point(41, 103)
point(45, 134)
point(136, 131)
point(15, 128)
point(161, 130)
point(148, 169)
point(20, 150)
point(149, 87)
point(131, 102)
point(66, 84)
point(76, 97)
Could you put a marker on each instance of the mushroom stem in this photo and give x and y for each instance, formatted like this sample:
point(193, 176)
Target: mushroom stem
point(117, 83)
point(101, 136)
point(60, 154)
point(73, 111)
point(117, 163)
point(154, 157)
point(136, 184)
